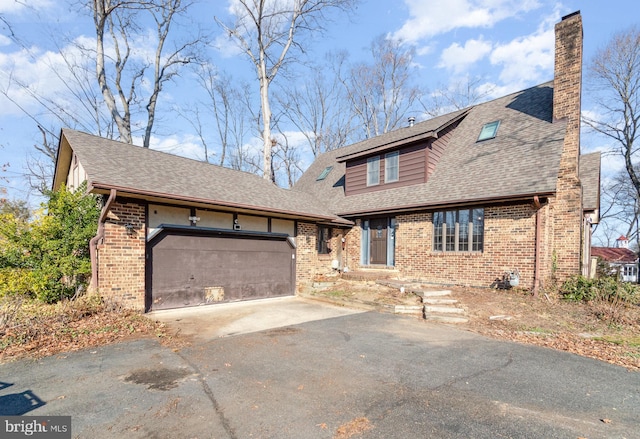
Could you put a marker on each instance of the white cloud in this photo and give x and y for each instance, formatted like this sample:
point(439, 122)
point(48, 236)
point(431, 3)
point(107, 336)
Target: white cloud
point(429, 18)
point(527, 60)
point(34, 72)
point(4, 41)
point(459, 58)
point(183, 146)
point(13, 6)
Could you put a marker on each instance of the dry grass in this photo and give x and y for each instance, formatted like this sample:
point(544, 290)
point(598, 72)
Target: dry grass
point(32, 329)
point(605, 331)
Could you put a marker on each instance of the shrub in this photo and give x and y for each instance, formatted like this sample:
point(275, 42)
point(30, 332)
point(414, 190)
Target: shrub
point(578, 289)
point(48, 258)
point(608, 297)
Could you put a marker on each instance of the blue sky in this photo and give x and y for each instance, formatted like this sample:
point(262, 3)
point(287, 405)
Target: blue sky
point(506, 43)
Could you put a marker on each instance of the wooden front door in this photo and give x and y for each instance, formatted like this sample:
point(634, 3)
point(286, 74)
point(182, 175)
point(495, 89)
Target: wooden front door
point(378, 240)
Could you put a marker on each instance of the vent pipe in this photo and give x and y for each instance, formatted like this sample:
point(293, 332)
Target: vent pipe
point(411, 120)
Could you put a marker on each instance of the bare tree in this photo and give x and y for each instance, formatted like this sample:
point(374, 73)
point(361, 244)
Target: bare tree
point(382, 93)
point(119, 76)
point(620, 211)
point(78, 105)
point(266, 31)
point(319, 108)
point(455, 96)
point(614, 79)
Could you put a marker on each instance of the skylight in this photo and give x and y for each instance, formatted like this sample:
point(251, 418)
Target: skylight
point(324, 173)
point(489, 131)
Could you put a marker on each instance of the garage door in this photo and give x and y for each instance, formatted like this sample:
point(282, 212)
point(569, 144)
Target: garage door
point(190, 268)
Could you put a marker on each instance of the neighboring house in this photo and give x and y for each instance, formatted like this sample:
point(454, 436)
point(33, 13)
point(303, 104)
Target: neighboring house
point(619, 259)
point(458, 199)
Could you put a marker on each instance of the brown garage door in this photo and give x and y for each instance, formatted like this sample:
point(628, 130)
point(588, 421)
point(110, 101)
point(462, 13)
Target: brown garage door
point(188, 268)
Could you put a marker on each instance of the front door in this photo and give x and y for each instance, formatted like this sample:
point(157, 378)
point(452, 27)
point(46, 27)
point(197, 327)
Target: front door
point(378, 236)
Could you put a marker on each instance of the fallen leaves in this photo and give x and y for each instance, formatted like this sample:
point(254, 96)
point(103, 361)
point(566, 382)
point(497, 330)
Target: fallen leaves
point(66, 329)
point(356, 426)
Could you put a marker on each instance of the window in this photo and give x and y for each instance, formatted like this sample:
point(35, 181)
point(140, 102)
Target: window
point(324, 238)
point(373, 171)
point(458, 230)
point(324, 173)
point(391, 163)
point(489, 131)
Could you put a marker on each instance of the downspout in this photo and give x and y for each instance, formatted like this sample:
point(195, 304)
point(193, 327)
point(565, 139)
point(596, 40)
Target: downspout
point(93, 243)
point(536, 273)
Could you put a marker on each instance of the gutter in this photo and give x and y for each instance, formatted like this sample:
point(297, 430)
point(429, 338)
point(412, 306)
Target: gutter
point(536, 269)
point(93, 243)
point(444, 205)
point(136, 193)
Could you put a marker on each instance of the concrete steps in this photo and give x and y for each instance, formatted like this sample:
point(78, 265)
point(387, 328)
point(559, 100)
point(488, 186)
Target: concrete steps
point(437, 305)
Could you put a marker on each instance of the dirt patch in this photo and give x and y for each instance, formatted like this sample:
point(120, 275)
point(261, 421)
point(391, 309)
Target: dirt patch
point(516, 315)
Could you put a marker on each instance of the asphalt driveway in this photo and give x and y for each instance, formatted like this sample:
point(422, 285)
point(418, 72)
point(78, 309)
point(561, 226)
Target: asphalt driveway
point(373, 375)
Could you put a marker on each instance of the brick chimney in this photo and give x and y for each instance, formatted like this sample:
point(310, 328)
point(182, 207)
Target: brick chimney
point(567, 83)
point(567, 86)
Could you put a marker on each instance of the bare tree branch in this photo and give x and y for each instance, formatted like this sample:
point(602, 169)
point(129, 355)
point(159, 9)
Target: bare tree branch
point(266, 31)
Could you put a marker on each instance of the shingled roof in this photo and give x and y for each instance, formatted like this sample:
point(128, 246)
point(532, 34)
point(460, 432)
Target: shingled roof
point(521, 161)
point(137, 171)
point(615, 255)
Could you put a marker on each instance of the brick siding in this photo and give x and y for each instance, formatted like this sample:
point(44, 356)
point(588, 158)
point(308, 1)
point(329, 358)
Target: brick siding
point(567, 205)
point(121, 256)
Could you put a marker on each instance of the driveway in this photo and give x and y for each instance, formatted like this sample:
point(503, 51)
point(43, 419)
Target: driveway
point(367, 374)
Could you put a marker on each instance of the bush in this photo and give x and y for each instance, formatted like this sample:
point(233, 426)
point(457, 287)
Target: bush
point(578, 289)
point(48, 258)
point(608, 297)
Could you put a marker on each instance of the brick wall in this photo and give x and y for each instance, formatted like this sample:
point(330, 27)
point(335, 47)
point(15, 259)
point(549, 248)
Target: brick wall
point(309, 263)
point(509, 243)
point(121, 256)
point(567, 206)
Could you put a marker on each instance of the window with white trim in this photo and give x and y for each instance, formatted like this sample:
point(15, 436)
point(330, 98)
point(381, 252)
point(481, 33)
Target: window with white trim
point(391, 167)
point(458, 230)
point(373, 171)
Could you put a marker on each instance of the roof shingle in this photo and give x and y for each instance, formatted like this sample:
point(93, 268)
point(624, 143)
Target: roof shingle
point(522, 160)
point(133, 169)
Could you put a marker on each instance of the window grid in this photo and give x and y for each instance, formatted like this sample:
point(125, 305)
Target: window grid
point(458, 230)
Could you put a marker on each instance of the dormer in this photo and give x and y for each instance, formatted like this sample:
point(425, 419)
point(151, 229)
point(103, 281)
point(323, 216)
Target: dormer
point(403, 157)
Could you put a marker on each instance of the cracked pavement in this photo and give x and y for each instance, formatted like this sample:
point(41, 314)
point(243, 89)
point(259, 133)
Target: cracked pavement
point(404, 376)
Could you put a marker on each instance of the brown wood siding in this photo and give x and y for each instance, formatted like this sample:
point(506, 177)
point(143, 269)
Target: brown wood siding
point(438, 147)
point(412, 165)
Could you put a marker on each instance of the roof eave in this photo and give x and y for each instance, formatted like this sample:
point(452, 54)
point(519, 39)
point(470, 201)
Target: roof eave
point(431, 134)
point(444, 205)
point(128, 192)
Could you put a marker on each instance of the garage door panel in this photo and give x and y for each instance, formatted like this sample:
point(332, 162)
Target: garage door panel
point(195, 270)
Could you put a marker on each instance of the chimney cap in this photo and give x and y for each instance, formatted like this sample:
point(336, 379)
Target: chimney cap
point(571, 15)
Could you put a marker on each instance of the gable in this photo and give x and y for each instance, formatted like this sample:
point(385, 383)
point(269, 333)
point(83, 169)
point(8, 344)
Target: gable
point(159, 177)
point(521, 161)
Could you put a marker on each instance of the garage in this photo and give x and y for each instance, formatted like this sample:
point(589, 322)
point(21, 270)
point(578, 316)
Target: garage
point(196, 266)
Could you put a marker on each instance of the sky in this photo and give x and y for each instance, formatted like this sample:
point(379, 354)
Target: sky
point(507, 44)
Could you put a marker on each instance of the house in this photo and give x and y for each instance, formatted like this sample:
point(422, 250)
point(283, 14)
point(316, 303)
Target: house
point(618, 259)
point(461, 198)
